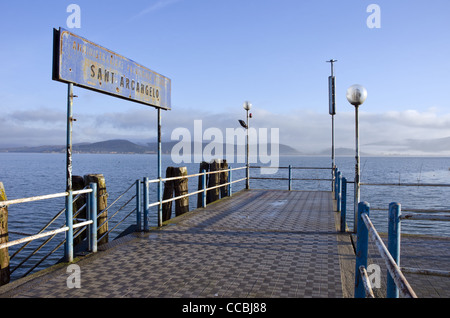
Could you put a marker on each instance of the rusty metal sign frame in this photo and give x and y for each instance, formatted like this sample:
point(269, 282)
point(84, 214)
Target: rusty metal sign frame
point(80, 62)
point(85, 64)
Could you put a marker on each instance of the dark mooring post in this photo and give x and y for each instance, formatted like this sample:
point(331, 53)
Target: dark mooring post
point(224, 178)
point(203, 166)
point(4, 254)
point(168, 194)
point(102, 204)
point(214, 180)
point(78, 184)
point(181, 188)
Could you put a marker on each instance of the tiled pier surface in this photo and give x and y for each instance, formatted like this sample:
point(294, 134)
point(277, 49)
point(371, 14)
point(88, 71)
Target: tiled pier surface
point(259, 243)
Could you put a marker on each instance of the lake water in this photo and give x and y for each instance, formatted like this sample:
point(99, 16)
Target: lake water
point(25, 175)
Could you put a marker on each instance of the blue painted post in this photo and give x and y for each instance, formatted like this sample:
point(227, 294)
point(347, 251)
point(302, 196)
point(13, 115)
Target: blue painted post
point(160, 191)
point(93, 216)
point(290, 177)
point(339, 191)
point(362, 246)
point(394, 229)
point(343, 204)
point(138, 205)
point(146, 204)
point(204, 188)
point(230, 179)
point(68, 247)
point(335, 183)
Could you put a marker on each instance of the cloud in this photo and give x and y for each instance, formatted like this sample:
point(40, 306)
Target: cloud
point(400, 132)
point(159, 5)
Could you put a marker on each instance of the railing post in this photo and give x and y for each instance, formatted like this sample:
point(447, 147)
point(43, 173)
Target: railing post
point(343, 203)
point(230, 179)
point(204, 189)
point(336, 170)
point(394, 229)
point(146, 204)
point(138, 205)
point(339, 191)
point(93, 216)
point(160, 199)
point(68, 247)
point(290, 177)
point(362, 245)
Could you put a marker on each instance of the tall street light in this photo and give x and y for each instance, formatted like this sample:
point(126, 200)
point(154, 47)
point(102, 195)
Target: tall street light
point(356, 95)
point(247, 106)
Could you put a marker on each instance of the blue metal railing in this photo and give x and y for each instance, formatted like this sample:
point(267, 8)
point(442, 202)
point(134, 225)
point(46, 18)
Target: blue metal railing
point(290, 178)
point(146, 194)
point(90, 222)
point(396, 280)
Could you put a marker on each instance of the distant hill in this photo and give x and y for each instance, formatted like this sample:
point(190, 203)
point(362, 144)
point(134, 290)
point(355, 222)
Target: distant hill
point(124, 147)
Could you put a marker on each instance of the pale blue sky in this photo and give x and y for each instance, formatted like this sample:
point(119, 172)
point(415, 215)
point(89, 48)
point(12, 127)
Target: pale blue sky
point(219, 53)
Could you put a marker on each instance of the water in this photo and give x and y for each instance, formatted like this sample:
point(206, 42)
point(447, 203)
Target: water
point(25, 175)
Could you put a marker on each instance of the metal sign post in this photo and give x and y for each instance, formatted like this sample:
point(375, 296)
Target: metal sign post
point(69, 199)
point(80, 62)
point(160, 191)
point(332, 111)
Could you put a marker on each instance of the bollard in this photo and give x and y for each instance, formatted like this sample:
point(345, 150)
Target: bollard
point(362, 246)
point(224, 178)
point(5, 272)
point(394, 228)
point(102, 205)
point(343, 204)
point(214, 180)
point(203, 166)
point(180, 187)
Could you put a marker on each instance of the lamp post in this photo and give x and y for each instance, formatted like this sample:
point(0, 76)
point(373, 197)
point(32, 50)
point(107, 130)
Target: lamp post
point(356, 95)
point(247, 106)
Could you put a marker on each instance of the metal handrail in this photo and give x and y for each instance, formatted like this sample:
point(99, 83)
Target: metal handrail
point(365, 227)
point(42, 197)
point(67, 228)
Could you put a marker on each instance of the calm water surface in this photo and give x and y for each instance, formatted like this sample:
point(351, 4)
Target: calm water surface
point(25, 175)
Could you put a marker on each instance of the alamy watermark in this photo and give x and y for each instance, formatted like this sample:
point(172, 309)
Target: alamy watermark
point(263, 145)
point(374, 19)
point(74, 279)
point(74, 19)
point(374, 274)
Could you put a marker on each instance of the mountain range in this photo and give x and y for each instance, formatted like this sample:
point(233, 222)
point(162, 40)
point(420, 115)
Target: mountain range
point(123, 147)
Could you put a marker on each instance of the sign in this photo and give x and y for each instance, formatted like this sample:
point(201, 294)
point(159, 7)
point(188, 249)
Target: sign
point(331, 95)
point(88, 65)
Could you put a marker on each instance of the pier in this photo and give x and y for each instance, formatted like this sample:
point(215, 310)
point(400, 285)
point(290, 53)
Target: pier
point(257, 243)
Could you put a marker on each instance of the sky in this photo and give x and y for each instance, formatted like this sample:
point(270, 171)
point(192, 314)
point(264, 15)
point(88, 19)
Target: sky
point(220, 53)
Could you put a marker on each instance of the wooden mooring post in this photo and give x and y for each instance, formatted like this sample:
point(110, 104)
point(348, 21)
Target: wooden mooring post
point(178, 188)
point(203, 166)
point(5, 273)
point(212, 180)
point(102, 204)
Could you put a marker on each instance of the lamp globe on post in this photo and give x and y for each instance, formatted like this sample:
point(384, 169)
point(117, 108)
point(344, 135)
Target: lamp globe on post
point(356, 95)
point(247, 106)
